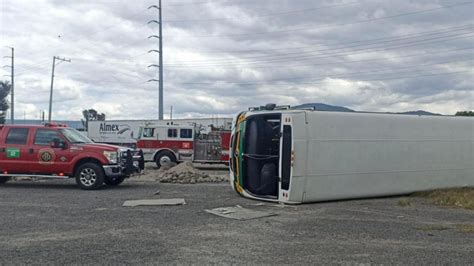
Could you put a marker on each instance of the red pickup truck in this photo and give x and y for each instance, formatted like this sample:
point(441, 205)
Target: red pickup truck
point(57, 151)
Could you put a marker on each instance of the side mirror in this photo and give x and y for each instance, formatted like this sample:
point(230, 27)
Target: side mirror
point(58, 143)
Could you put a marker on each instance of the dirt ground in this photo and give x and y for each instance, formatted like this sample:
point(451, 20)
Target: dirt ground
point(185, 173)
point(54, 222)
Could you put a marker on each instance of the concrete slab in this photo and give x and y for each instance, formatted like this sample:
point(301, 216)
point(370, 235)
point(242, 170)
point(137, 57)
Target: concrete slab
point(239, 213)
point(153, 202)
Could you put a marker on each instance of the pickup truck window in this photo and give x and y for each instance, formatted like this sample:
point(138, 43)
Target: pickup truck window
point(45, 136)
point(17, 136)
point(75, 136)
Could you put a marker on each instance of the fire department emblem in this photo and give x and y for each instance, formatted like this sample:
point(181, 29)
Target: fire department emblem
point(46, 156)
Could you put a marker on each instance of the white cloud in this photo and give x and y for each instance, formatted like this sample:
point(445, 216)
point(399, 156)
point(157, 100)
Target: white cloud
point(313, 55)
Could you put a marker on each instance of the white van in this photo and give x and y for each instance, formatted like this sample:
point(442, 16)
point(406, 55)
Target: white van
point(297, 156)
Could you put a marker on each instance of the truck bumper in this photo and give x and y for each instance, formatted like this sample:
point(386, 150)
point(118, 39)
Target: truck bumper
point(130, 163)
point(114, 171)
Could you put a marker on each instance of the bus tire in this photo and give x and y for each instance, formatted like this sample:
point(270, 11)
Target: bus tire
point(114, 181)
point(4, 179)
point(164, 157)
point(89, 176)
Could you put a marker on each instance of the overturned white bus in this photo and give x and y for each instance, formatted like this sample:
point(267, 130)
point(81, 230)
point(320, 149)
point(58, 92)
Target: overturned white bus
point(297, 156)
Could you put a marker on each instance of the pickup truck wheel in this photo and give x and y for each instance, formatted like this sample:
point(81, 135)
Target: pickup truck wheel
point(89, 176)
point(163, 158)
point(114, 181)
point(4, 179)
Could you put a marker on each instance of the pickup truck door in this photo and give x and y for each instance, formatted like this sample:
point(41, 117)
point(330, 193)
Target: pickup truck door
point(14, 151)
point(47, 159)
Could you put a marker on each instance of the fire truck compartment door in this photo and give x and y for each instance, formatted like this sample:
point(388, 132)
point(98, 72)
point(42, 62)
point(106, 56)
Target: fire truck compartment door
point(208, 149)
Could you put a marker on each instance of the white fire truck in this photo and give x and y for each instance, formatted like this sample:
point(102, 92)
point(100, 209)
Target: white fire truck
point(177, 143)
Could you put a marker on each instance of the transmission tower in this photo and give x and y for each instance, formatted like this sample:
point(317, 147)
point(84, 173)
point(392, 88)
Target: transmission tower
point(160, 57)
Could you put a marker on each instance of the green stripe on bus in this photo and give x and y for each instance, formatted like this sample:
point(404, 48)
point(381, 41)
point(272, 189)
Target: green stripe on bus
point(242, 133)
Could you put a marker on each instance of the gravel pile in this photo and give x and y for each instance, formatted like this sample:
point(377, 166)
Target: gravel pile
point(186, 173)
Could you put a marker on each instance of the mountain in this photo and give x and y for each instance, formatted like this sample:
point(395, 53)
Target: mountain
point(323, 107)
point(335, 108)
point(419, 112)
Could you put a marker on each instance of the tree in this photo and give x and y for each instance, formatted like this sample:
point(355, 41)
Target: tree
point(465, 113)
point(91, 115)
point(5, 89)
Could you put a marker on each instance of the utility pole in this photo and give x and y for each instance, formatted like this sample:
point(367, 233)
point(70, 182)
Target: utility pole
point(12, 92)
point(52, 82)
point(160, 58)
point(12, 107)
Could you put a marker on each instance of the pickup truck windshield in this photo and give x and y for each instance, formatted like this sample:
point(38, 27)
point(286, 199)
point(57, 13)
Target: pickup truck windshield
point(75, 136)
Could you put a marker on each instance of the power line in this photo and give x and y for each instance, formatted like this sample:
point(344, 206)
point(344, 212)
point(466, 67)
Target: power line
point(336, 75)
point(343, 45)
point(444, 51)
point(403, 77)
point(369, 60)
point(192, 3)
point(333, 25)
point(329, 55)
point(359, 80)
point(265, 15)
point(28, 69)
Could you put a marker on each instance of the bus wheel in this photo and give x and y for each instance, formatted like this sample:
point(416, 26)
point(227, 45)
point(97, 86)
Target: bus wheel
point(4, 179)
point(89, 176)
point(164, 157)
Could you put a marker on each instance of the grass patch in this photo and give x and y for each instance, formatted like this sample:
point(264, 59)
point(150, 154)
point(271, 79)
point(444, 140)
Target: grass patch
point(404, 202)
point(467, 228)
point(456, 197)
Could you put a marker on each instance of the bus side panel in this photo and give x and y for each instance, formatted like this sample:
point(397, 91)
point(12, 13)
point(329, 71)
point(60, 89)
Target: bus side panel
point(364, 155)
point(336, 187)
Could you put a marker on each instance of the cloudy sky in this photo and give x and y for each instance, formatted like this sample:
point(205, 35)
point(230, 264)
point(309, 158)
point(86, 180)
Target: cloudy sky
point(222, 56)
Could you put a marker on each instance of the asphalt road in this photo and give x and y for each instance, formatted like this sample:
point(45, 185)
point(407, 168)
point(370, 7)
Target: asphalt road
point(54, 222)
